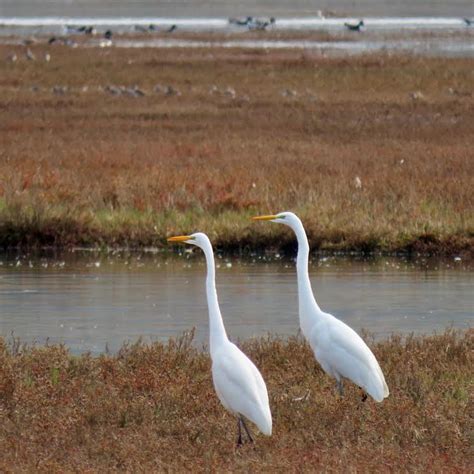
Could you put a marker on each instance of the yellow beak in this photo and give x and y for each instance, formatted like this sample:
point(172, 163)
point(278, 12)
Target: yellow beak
point(179, 238)
point(264, 218)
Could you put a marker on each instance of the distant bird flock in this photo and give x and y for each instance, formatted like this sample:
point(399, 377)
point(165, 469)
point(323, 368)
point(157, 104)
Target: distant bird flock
point(249, 23)
point(340, 351)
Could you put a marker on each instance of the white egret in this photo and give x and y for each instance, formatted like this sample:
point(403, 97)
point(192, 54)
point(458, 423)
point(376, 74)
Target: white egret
point(340, 351)
point(238, 383)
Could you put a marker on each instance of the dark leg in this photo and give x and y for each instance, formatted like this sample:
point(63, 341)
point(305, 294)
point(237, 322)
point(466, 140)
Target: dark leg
point(239, 439)
point(340, 388)
point(364, 396)
point(246, 429)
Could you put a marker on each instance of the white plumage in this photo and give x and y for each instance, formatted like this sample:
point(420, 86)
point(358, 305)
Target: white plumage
point(340, 351)
point(238, 383)
point(240, 386)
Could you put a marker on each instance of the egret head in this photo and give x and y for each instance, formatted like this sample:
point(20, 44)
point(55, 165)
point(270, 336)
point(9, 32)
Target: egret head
point(287, 218)
point(199, 239)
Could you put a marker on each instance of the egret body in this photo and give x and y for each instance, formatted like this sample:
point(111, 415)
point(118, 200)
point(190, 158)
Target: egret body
point(238, 383)
point(340, 351)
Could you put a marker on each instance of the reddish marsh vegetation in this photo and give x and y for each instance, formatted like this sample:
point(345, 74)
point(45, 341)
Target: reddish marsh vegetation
point(373, 152)
point(153, 408)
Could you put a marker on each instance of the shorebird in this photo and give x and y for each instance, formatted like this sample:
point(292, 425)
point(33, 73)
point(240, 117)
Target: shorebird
point(260, 25)
point(108, 34)
point(72, 29)
point(114, 90)
point(29, 55)
point(170, 90)
point(134, 91)
point(171, 29)
point(145, 29)
point(240, 21)
point(353, 27)
point(468, 21)
point(59, 90)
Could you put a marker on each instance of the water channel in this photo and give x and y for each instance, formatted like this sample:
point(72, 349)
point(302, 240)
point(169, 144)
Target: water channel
point(96, 302)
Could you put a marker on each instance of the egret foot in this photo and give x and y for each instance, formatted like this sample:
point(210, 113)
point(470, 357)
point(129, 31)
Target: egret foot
point(364, 394)
point(246, 429)
point(240, 423)
point(239, 428)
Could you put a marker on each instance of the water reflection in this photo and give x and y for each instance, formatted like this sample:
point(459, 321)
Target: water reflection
point(89, 301)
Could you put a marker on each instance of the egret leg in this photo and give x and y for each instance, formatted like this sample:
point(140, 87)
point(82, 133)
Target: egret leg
point(364, 396)
point(239, 428)
point(340, 387)
point(246, 429)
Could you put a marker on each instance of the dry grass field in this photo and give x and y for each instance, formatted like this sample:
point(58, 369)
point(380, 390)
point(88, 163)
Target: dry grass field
point(153, 408)
point(373, 152)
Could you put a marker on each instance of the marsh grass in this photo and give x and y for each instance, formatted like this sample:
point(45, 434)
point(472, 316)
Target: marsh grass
point(88, 168)
point(153, 408)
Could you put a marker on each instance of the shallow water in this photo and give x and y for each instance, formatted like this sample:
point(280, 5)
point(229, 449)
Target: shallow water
point(446, 33)
point(448, 47)
point(95, 303)
point(225, 8)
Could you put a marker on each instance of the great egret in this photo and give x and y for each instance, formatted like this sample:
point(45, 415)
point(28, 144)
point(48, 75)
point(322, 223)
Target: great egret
point(338, 348)
point(238, 383)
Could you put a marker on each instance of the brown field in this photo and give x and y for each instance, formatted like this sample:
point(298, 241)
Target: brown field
point(153, 408)
point(373, 152)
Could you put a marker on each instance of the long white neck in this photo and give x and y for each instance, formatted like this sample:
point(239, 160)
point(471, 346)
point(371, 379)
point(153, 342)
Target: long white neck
point(217, 334)
point(308, 308)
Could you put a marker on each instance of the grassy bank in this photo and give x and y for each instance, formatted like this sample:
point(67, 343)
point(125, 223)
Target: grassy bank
point(152, 408)
point(374, 152)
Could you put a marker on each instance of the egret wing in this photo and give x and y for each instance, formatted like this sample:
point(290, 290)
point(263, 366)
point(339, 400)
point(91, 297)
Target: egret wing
point(240, 386)
point(347, 355)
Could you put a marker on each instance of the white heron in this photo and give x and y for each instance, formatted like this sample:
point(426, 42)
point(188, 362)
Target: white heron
point(238, 383)
point(340, 351)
